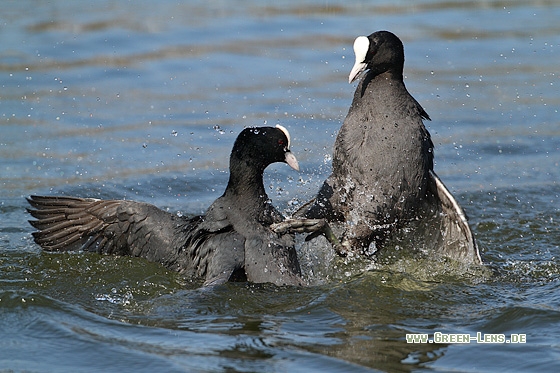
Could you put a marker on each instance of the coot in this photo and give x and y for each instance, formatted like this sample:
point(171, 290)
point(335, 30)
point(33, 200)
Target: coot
point(231, 240)
point(382, 172)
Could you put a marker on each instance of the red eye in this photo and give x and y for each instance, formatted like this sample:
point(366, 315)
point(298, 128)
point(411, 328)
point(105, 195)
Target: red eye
point(281, 142)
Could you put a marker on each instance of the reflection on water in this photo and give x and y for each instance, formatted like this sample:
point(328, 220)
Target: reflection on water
point(131, 100)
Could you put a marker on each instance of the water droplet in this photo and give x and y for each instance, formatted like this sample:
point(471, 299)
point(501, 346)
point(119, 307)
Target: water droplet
point(218, 129)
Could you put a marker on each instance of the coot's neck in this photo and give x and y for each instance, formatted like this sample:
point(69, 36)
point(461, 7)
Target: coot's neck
point(378, 84)
point(383, 89)
point(390, 67)
point(392, 75)
point(246, 179)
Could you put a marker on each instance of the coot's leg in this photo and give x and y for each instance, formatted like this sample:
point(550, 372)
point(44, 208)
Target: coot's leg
point(315, 227)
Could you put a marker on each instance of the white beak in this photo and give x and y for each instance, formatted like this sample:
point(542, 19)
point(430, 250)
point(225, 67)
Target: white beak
point(292, 161)
point(356, 71)
point(361, 47)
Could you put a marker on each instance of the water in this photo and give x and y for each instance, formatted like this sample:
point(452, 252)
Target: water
point(132, 100)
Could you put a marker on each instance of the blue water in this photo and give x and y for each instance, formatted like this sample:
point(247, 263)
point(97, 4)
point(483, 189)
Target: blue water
point(142, 101)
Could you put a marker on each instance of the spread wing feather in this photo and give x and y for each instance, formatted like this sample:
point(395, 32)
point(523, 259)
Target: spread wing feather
point(460, 243)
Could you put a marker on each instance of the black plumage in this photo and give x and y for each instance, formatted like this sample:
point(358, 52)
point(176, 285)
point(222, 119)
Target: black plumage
point(382, 177)
point(232, 239)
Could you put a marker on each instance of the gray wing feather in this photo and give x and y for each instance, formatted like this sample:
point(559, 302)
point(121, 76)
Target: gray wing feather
point(459, 239)
point(106, 227)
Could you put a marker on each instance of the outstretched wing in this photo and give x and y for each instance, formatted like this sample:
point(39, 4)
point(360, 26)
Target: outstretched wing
point(203, 246)
point(458, 237)
point(108, 227)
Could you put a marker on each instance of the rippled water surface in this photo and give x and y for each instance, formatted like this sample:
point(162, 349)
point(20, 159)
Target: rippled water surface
point(142, 101)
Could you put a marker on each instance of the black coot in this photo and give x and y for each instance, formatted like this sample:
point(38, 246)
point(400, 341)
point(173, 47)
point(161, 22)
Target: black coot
point(232, 240)
point(383, 178)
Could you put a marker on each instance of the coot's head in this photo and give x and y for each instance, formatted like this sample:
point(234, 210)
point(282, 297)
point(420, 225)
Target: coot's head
point(380, 52)
point(262, 146)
